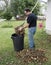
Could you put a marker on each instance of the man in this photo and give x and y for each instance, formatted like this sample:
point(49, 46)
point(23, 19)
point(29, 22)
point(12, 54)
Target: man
point(31, 24)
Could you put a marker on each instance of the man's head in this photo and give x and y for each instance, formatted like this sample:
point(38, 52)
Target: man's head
point(27, 11)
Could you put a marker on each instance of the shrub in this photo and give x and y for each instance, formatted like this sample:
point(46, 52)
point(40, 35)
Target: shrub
point(7, 14)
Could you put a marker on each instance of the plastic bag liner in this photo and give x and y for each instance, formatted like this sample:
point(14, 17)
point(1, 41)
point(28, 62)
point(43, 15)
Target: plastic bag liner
point(18, 41)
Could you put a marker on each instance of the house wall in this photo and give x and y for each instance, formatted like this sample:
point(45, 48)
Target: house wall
point(48, 21)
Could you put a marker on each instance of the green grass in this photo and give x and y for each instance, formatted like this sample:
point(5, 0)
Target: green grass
point(7, 53)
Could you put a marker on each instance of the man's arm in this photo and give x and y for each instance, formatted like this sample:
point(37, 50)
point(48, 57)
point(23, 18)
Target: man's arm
point(26, 25)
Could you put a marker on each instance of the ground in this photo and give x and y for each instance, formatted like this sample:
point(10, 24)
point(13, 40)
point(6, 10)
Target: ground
point(7, 53)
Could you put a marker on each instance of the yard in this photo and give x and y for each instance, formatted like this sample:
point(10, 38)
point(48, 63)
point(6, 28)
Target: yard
point(7, 53)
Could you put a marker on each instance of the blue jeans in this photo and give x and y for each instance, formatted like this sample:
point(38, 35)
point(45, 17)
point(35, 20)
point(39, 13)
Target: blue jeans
point(31, 33)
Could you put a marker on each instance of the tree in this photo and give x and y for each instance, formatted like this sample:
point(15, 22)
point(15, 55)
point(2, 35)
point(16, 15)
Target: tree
point(18, 6)
point(6, 10)
point(6, 1)
point(2, 6)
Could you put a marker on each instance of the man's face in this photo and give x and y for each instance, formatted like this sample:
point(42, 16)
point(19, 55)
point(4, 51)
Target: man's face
point(26, 13)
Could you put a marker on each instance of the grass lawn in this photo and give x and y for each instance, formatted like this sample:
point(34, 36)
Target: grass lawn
point(7, 53)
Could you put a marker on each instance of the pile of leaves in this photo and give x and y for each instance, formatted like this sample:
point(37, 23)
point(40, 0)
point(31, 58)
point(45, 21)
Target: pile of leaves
point(19, 32)
point(27, 56)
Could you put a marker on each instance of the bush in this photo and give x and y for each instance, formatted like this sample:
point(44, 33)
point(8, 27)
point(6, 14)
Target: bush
point(7, 15)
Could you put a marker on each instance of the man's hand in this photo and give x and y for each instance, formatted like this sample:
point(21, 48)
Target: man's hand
point(20, 29)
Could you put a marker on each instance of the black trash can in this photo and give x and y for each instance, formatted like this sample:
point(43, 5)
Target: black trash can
point(18, 41)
